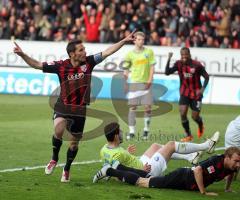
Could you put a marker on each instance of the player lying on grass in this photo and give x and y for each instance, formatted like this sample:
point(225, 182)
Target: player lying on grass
point(214, 169)
point(232, 135)
point(155, 158)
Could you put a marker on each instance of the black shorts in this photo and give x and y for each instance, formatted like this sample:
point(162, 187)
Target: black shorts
point(180, 179)
point(75, 123)
point(194, 104)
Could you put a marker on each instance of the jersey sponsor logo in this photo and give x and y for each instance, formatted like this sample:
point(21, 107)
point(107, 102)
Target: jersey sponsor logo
point(192, 70)
point(187, 75)
point(156, 158)
point(51, 63)
point(211, 169)
point(75, 76)
point(141, 62)
point(146, 55)
point(83, 68)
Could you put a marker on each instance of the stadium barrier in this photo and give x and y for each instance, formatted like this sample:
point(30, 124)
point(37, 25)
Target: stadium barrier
point(220, 62)
point(220, 90)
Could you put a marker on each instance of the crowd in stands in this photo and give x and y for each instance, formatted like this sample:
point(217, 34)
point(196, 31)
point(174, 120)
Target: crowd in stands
point(191, 23)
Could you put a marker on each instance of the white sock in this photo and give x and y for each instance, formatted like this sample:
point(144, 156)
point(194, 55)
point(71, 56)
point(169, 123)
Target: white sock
point(146, 123)
point(132, 129)
point(178, 156)
point(185, 147)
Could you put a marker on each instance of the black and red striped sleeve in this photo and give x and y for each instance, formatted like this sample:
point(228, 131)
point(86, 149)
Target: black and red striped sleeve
point(171, 70)
point(51, 67)
point(204, 73)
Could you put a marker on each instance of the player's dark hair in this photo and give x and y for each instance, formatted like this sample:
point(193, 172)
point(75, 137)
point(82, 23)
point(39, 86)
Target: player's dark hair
point(230, 151)
point(111, 130)
point(185, 49)
point(72, 45)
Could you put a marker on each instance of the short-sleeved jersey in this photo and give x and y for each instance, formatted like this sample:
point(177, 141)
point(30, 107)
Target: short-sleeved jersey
point(190, 77)
point(140, 64)
point(109, 155)
point(213, 171)
point(183, 178)
point(74, 81)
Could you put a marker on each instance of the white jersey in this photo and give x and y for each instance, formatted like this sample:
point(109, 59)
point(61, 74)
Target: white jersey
point(232, 135)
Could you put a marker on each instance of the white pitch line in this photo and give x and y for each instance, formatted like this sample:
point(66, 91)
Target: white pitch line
point(43, 166)
point(62, 164)
point(220, 148)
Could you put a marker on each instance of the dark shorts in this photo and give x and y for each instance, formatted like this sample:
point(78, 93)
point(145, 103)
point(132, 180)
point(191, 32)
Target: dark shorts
point(180, 179)
point(194, 104)
point(75, 124)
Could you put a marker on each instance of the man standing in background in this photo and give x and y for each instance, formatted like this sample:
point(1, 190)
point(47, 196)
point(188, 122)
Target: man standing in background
point(141, 62)
point(191, 89)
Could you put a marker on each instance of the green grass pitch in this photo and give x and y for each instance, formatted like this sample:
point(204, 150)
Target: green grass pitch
point(25, 140)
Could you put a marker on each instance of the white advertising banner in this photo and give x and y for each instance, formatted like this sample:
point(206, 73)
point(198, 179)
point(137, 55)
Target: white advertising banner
point(217, 61)
point(225, 91)
point(220, 90)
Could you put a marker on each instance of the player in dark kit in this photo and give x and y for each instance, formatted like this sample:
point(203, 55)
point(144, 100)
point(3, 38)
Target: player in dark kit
point(70, 109)
point(191, 89)
point(214, 169)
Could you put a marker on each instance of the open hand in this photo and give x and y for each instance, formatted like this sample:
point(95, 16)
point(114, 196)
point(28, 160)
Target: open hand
point(130, 37)
point(131, 149)
point(83, 8)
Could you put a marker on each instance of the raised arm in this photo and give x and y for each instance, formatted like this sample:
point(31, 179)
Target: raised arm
point(30, 61)
point(169, 70)
point(115, 47)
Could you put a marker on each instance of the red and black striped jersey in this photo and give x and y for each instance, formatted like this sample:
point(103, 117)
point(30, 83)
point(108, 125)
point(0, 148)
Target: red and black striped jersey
point(75, 82)
point(190, 77)
point(213, 170)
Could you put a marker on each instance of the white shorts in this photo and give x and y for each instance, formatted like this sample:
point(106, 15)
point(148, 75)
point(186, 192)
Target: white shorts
point(232, 136)
point(157, 162)
point(138, 96)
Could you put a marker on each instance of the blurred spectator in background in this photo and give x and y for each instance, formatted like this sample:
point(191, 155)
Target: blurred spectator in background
point(37, 14)
point(154, 39)
point(235, 30)
point(171, 27)
point(222, 27)
point(92, 22)
point(109, 13)
point(31, 34)
point(225, 43)
point(44, 26)
point(64, 17)
point(111, 33)
point(174, 22)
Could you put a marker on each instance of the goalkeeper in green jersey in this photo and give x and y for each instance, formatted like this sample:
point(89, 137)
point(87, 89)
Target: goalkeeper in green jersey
point(156, 157)
point(138, 85)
